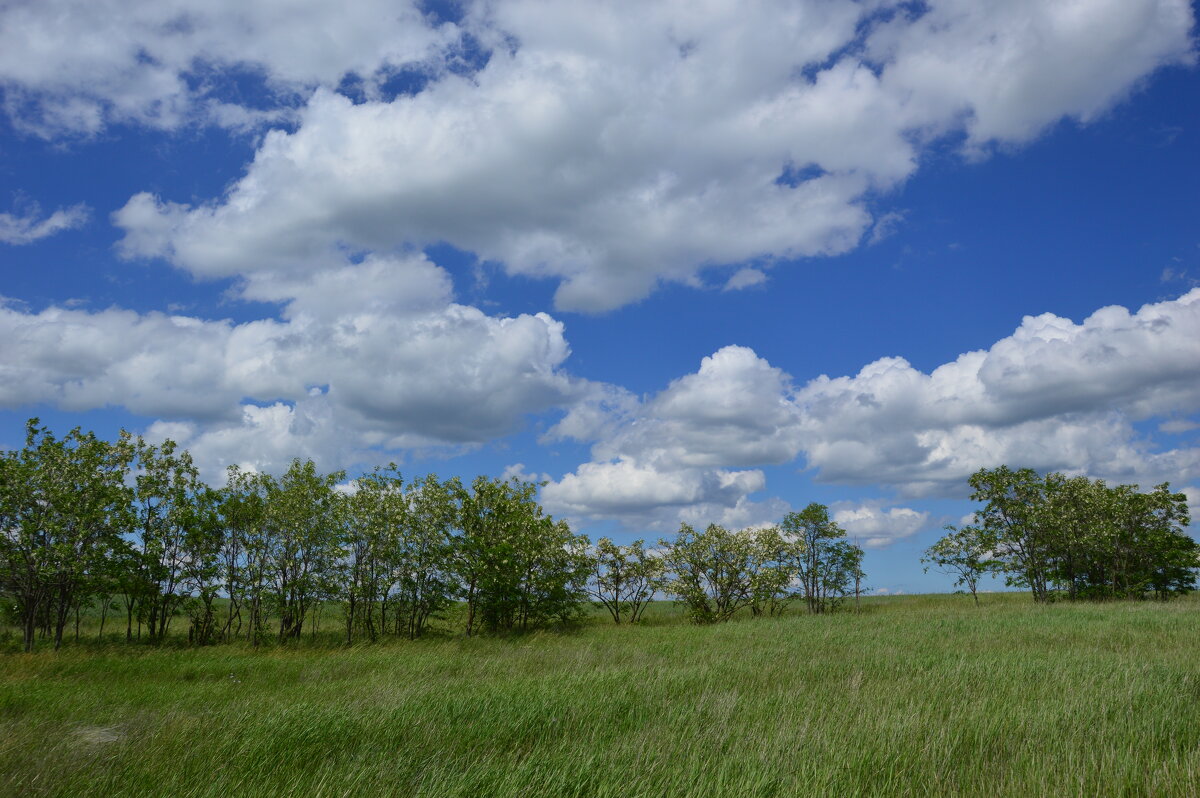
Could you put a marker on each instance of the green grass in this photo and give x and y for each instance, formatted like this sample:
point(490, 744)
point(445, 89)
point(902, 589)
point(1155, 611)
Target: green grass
point(915, 696)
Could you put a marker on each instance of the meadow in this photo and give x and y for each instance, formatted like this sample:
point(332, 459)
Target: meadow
point(921, 695)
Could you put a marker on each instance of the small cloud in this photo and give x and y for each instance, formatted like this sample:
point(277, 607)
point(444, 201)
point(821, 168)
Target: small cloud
point(874, 525)
point(20, 229)
point(885, 226)
point(745, 278)
point(1178, 425)
point(1173, 274)
point(517, 471)
point(1167, 134)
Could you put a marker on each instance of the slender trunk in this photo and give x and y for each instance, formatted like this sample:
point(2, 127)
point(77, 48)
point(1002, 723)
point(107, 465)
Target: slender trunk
point(104, 614)
point(470, 607)
point(30, 625)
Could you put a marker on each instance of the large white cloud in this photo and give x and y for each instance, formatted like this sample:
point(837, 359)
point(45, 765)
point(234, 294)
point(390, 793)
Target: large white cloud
point(1053, 395)
point(394, 362)
point(614, 145)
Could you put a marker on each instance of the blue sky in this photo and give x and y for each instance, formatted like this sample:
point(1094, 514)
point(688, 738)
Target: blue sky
point(683, 263)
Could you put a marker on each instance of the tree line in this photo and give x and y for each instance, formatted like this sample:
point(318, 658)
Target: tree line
point(129, 529)
point(1071, 537)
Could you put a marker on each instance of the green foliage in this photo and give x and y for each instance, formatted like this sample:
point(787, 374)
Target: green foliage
point(624, 579)
point(829, 567)
point(519, 568)
point(1076, 537)
point(63, 506)
point(711, 571)
point(967, 554)
point(304, 517)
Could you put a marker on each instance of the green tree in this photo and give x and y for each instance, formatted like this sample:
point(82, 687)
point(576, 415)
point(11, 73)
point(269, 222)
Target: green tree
point(827, 565)
point(1015, 516)
point(1074, 536)
point(246, 551)
point(965, 553)
point(63, 506)
point(711, 572)
point(426, 585)
point(624, 579)
point(518, 568)
point(304, 516)
point(773, 571)
point(173, 533)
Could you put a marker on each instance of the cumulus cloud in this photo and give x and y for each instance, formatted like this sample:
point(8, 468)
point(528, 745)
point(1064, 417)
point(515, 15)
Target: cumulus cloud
point(873, 525)
point(391, 359)
point(614, 146)
point(74, 66)
point(27, 227)
point(1055, 395)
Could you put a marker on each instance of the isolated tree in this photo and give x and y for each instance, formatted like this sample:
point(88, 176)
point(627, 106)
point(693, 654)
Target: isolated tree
point(965, 553)
point(624, 579)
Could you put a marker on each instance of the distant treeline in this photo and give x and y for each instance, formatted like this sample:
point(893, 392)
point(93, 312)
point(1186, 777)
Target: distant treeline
point(129, 528)
point(1071, 537)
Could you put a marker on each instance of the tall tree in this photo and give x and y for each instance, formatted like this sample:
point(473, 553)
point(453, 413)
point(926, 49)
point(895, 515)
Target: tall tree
point(424, 549)
point(246, 553)
point(518, 567)
point(1014, 514)
point(63, 506)
point(827, 565)
point(173, 532)
point(304, 515)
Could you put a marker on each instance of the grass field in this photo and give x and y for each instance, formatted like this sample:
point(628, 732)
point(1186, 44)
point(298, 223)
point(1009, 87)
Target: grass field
point(922, 695)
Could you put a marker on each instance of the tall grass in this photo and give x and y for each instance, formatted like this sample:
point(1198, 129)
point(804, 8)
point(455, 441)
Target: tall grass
point(914, 696)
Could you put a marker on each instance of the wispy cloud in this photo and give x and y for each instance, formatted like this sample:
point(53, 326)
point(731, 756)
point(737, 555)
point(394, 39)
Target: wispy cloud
point(27, 228)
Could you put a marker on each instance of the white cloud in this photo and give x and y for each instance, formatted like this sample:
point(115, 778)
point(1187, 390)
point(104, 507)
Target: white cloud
point(518, 471)
point(745, 278)
point(73, 66)
point(613, 146)
point(378, 346)
point(27, 228)
point(1055, 395)
point(873, 525)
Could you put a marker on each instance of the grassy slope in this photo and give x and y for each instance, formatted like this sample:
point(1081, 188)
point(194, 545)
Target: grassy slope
point(915, 696)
